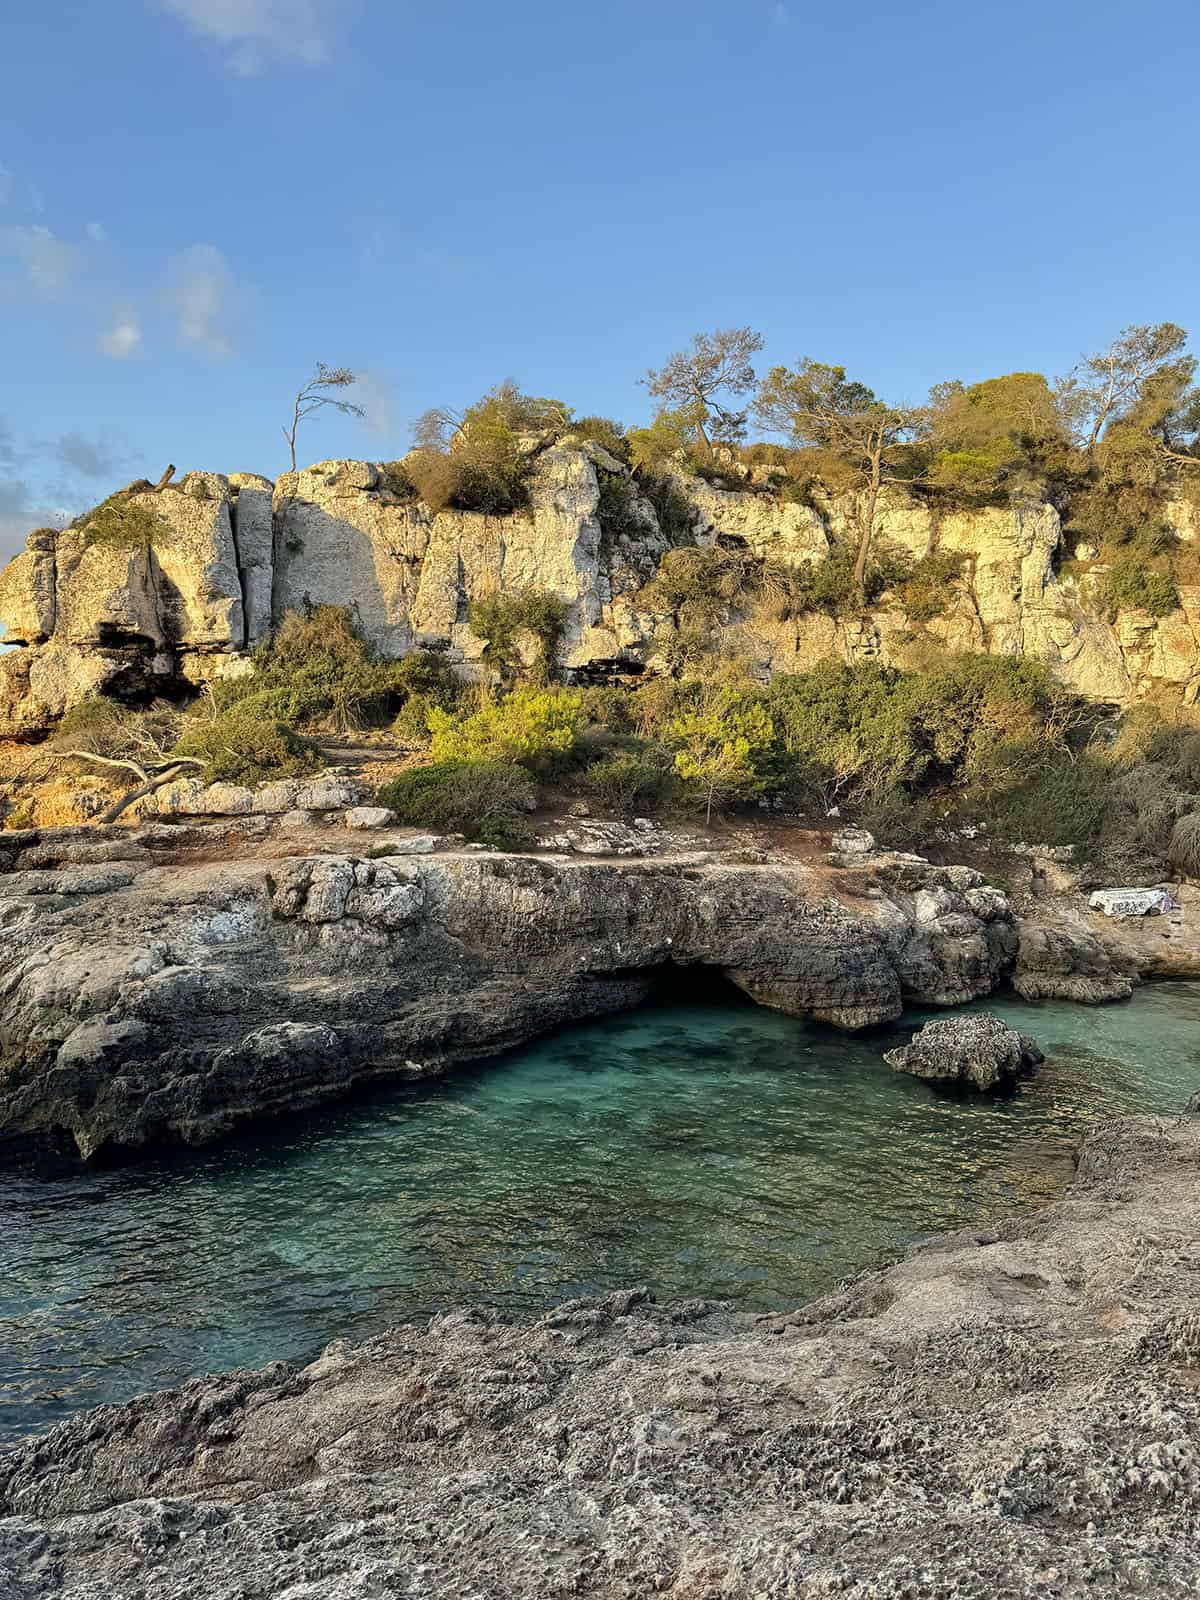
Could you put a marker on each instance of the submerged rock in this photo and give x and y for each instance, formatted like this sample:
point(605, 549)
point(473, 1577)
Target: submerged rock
point(979, 1050)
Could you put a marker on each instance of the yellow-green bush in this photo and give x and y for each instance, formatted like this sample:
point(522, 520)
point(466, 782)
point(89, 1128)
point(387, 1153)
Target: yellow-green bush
point(537, 728)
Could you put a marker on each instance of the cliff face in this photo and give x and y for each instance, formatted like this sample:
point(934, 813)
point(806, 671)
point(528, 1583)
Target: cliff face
point(235, 553)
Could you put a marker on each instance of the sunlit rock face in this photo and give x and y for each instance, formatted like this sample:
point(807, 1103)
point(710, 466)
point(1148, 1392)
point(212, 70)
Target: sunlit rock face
point(231, 556)
point(140, 1006)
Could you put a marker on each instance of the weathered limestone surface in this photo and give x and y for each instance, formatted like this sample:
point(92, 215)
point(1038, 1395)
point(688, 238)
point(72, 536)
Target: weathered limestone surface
point(174, 1002)
point(1014, 1413)
point(236, 554)
point(1061, 961)
point(979, 1050)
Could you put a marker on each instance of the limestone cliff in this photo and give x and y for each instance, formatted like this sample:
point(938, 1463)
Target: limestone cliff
point(235, 553)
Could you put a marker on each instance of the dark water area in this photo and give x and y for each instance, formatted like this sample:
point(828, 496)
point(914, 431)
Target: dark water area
point(703, 1149)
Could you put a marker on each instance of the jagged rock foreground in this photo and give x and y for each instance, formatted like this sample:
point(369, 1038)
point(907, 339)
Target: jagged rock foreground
point(1015, 1414)
point(236, 553)
point(170, 983)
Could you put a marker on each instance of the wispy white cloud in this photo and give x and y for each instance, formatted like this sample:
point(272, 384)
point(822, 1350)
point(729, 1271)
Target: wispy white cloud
point(36, 199)
point(780, 15)
point(44, 482)
point(202, 297)
point(21, 510)
point(123, 337)
point(373, 393)
point(90, 458)
point(258, 33)
point(95, 232)
point(45, 263)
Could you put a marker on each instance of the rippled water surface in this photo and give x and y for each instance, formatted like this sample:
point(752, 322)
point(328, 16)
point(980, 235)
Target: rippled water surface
point(703, 1150)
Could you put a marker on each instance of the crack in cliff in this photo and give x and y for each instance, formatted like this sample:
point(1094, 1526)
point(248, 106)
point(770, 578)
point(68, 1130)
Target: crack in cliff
point(241, 571)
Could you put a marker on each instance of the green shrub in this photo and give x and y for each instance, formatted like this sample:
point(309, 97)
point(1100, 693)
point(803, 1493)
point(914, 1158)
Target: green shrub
point(788, 589)
point(537, 728)
point(1142, 808)
point(609, 435)
point(456, 479)
point(397, 478)
point(606, 706)
point(641, 780)
point(1183, 850)
point(1061, 802)
point(481, 460)
point(434, 476)
point(122, 523)
point(428, 682)
point(698, 582)
point(496, 489)
point(240, 746)
point(1130, 585)
point(617, 509)
point(319, 672)
point(97, 724)
point(666, 444)
point(926, 592)
point(846, 733)
point(763, 454)
point(485, 800)
point(672, 508)
point(500, 618)
point(721, 475)
point(104, 727)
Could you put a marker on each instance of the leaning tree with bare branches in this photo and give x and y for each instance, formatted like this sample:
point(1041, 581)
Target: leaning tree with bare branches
point(321, 390)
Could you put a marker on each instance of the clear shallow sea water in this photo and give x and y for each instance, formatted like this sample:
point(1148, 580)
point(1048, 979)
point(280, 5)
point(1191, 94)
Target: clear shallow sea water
point(702, 1149)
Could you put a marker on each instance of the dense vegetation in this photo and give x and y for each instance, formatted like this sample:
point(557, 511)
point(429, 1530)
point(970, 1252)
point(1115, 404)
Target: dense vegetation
point(986, 739)
point(981, 739)
point(1109, 445)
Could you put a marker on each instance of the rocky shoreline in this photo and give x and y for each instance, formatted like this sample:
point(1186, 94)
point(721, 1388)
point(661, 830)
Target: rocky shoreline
point(171, 982)
point(1013, 1413)
point(165, 984)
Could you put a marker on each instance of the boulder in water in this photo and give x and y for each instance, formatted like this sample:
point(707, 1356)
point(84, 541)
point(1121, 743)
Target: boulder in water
point(979, 1050)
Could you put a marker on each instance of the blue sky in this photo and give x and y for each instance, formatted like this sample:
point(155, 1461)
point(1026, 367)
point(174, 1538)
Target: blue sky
point(201, 198)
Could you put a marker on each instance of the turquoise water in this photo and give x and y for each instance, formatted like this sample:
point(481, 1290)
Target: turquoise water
point(720, 1151)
